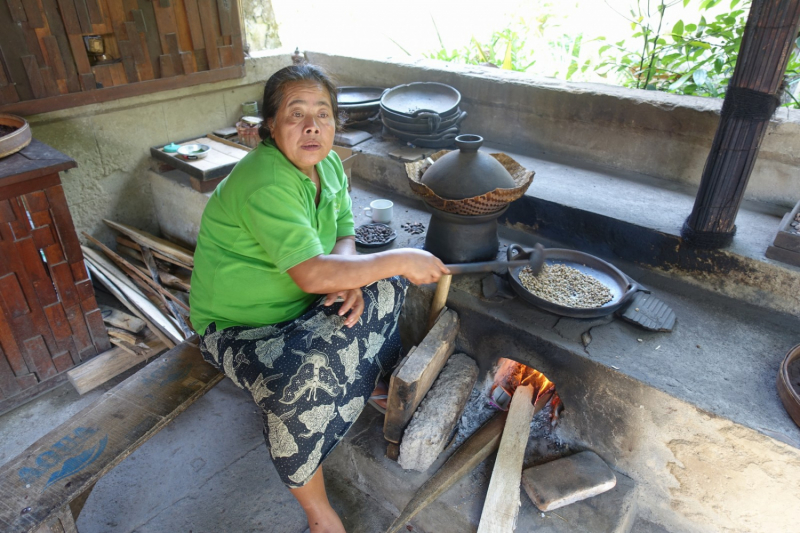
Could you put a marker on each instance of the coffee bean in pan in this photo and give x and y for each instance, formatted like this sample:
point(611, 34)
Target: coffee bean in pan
point(414, 228)
point(373, 233)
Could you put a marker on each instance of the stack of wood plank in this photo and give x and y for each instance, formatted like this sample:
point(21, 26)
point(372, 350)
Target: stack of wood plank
point(150, 277)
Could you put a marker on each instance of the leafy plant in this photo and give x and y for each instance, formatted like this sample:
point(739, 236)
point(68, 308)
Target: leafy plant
point(690, 58)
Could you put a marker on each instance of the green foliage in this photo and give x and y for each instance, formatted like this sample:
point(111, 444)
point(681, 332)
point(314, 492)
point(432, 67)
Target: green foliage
point(694, 57)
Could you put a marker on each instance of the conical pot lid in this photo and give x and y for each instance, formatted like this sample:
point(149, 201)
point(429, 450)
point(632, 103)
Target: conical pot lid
point(466, 172)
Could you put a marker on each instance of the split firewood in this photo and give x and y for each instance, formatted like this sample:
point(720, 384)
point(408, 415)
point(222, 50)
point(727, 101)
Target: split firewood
point(138, 349)
point(134, 248)
point(119, 319)
point(171, 280)
point(166, 248)
point(151, 265)
point(123, 335)
point(501, 508)
point(475, 449)
point(139, 277)
point(130, 296)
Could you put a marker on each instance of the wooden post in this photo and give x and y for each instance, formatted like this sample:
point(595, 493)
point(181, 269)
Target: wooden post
point(750, 102)
point(501, 508)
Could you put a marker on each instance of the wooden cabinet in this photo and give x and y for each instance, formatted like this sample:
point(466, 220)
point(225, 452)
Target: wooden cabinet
point(49, 319)
point(150, 45)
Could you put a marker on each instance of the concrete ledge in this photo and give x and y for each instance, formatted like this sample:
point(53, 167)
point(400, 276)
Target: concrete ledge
point(625, 216)
point(652, 133)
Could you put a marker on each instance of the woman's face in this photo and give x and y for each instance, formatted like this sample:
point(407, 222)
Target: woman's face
point(304, 126)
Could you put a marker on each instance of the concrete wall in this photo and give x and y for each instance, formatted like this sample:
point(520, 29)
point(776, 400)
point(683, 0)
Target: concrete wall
point(111, 142)
point(647, 132)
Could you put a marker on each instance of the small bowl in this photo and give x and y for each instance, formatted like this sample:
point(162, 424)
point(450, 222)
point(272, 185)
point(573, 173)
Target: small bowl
point(194, 151)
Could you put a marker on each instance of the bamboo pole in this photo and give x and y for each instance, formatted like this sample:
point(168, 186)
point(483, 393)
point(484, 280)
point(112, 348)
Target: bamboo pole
point(749, 104)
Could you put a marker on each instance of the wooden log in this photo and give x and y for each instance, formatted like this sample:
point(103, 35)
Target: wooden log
point(501, 508)
point(410, 382)
point(109, 364)
point(470, 454)
point(118, 319)
point(166, 248)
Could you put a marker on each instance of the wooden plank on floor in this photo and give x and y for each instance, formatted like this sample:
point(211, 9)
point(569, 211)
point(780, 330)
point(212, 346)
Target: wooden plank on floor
point(102, 434)
point(109, 364)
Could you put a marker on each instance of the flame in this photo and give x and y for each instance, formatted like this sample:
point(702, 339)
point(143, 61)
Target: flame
point(511, 374)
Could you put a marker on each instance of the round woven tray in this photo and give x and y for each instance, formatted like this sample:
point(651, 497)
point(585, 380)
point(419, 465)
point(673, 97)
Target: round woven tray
point(477, 205)
point(17, 139)
point(789, 393)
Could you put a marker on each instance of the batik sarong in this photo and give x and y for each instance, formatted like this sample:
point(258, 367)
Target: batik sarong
point(311, 376)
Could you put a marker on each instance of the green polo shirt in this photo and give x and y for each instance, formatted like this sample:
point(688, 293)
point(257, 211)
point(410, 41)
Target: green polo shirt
point(260, 222)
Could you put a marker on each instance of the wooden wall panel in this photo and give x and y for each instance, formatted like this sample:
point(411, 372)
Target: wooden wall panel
point(179, 41)
point(49, 320)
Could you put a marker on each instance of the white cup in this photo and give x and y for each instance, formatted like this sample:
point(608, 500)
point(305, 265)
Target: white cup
point(380, 211)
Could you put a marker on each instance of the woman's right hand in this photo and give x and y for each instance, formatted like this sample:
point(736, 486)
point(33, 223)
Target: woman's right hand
point(422, 267)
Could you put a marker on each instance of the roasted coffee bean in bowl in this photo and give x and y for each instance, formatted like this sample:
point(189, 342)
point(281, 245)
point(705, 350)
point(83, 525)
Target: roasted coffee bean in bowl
point(374, 235)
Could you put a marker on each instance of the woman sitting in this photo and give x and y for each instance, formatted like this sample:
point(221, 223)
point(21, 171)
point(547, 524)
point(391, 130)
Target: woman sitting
point(284, 305)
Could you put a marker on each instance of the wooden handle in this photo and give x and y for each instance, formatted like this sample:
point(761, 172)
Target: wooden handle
point(439, 298)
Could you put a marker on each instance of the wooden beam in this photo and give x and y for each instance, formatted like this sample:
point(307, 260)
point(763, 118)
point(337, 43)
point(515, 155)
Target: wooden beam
point(501, 508)
point(411, 381)
point(64, 101)
point(750, 102)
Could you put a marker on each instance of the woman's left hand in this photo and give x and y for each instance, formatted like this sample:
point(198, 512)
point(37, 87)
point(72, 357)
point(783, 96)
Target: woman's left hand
point(353, 302)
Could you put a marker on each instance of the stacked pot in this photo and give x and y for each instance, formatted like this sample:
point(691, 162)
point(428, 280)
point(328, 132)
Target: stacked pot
point(358, 104)
point(425, 114)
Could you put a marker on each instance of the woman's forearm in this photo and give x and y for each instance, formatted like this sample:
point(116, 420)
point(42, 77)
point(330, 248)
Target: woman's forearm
point(345, 246)
point(325, 274)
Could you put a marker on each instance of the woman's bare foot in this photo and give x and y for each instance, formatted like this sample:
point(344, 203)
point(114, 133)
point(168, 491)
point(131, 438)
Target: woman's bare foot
point(314, 501)
point(379, 394)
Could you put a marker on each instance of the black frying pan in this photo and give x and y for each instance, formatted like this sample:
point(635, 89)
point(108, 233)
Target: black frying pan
point(621, 286)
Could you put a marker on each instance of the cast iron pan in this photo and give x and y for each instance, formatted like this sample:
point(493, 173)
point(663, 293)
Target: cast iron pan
point(621, 286)
point(359, 95)
point(418, 97)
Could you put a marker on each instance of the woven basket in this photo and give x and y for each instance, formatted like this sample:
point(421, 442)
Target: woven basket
point(477, 205)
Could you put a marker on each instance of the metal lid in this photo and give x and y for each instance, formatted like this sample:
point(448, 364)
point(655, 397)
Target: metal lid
point(466, 172)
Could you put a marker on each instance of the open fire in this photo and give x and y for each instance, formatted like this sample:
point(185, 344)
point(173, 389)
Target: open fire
point(512, 374)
